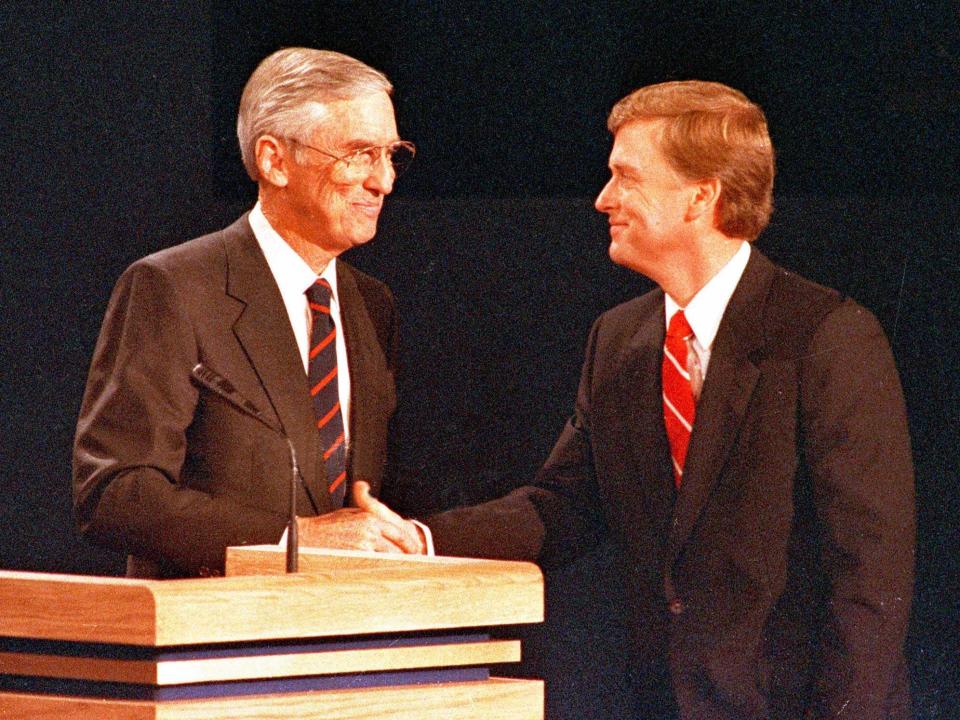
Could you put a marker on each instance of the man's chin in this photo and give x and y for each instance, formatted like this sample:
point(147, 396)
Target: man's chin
point(362, 233)
point(361, 239)
point(617, 254)
point(625, 258)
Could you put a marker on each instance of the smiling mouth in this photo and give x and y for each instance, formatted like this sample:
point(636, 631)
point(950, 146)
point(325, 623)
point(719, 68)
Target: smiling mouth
point(371, 210)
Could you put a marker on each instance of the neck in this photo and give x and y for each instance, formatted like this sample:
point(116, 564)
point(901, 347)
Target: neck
point(702, 260)
point(313, 254)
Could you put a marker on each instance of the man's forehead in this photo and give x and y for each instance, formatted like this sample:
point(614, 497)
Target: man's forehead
point(636, 142)
point(366, 119)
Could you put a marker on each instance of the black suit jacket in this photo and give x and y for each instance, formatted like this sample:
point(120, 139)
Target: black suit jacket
point(777, 581)
point(171, 474)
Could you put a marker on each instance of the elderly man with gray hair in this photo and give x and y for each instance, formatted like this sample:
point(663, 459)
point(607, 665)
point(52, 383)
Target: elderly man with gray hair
point(301, 346)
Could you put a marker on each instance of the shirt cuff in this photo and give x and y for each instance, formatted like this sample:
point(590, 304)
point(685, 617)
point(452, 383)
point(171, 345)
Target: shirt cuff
point(427, 536)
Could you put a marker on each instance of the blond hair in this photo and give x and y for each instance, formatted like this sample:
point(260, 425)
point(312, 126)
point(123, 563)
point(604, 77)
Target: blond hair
point(711, 131)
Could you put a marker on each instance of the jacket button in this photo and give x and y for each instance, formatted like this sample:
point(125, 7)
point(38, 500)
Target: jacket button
point(203, 571)
point(676, 606)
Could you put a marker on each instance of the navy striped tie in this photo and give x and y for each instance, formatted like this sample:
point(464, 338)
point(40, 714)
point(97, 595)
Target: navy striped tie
point(324, 391)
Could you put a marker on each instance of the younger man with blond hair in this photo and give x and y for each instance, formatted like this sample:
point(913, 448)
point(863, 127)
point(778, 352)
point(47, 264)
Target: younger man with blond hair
point(739, 433)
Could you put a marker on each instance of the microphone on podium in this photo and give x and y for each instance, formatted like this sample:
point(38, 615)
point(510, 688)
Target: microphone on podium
point(225, 390)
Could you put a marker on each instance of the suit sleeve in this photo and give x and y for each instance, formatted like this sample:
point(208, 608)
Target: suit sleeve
point(857, 450)
point(131, 440)
point(551, 521)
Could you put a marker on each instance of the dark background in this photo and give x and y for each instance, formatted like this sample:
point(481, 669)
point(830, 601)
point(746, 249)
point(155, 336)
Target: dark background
point(117, 140)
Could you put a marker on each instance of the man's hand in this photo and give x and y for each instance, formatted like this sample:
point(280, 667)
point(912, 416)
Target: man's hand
point(413, 538)
point(370, 525)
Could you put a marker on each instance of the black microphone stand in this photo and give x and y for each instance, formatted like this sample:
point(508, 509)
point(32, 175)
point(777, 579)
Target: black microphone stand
point(224, 389)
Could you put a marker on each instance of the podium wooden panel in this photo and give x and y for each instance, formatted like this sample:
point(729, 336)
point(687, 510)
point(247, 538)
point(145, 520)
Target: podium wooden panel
point(353, 635)
point(496, 699)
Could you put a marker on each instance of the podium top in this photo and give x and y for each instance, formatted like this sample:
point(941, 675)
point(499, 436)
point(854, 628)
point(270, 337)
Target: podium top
point(340, 593)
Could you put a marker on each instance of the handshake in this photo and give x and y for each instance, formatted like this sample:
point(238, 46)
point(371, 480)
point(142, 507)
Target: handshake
point(367, 525)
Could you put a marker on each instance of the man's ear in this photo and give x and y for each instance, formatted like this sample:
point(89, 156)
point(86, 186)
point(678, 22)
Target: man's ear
point(705, 199)
point(273, 160)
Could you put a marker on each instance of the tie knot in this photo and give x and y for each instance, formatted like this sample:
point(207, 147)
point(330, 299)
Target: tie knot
point(679, 327)
point(320, 293)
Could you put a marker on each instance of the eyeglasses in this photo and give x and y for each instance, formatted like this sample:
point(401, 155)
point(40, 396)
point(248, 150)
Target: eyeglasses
point(398, 154)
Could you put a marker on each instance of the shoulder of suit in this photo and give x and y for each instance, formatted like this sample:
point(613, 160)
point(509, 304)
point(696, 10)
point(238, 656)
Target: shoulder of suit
point(795, 288)
point(815, 306)
point(615, 327)
point(633, 310)
point(797, 308)
point(367, 285)
point(201, 254)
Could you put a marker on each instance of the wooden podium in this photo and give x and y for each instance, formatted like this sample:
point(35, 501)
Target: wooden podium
point(353, 635)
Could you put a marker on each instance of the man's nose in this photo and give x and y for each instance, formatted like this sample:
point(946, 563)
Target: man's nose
point(605, 200)
point(381, 176)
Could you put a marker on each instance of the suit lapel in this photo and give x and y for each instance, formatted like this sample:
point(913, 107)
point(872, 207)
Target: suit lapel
point(366, 370)
point(643, 408)
point(264, 332)
point(731, 378)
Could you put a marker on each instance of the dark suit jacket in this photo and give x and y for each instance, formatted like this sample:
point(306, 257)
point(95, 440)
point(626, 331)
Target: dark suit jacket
point(171, 474)
point(777, 581)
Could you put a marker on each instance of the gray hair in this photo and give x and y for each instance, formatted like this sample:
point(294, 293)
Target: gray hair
point(286, 91)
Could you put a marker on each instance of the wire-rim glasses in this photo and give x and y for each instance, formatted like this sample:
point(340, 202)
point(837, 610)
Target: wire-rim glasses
point(398, 154)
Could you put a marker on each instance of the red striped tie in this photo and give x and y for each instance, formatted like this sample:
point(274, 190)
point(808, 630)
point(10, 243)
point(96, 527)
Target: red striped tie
point(679, 409)
point(324, 390)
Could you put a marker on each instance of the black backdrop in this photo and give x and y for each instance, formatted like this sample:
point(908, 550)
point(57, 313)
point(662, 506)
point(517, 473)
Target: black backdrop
point(117, 140)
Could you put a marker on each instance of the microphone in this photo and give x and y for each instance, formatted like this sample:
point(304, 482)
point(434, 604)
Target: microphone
point(224, 389)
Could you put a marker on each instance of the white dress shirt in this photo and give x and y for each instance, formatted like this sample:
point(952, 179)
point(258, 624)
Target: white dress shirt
point(293, 276)
point(705, 311)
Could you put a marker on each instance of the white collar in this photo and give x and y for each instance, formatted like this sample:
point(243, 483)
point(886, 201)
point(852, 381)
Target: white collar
point(291, 272)
point(705, 311)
